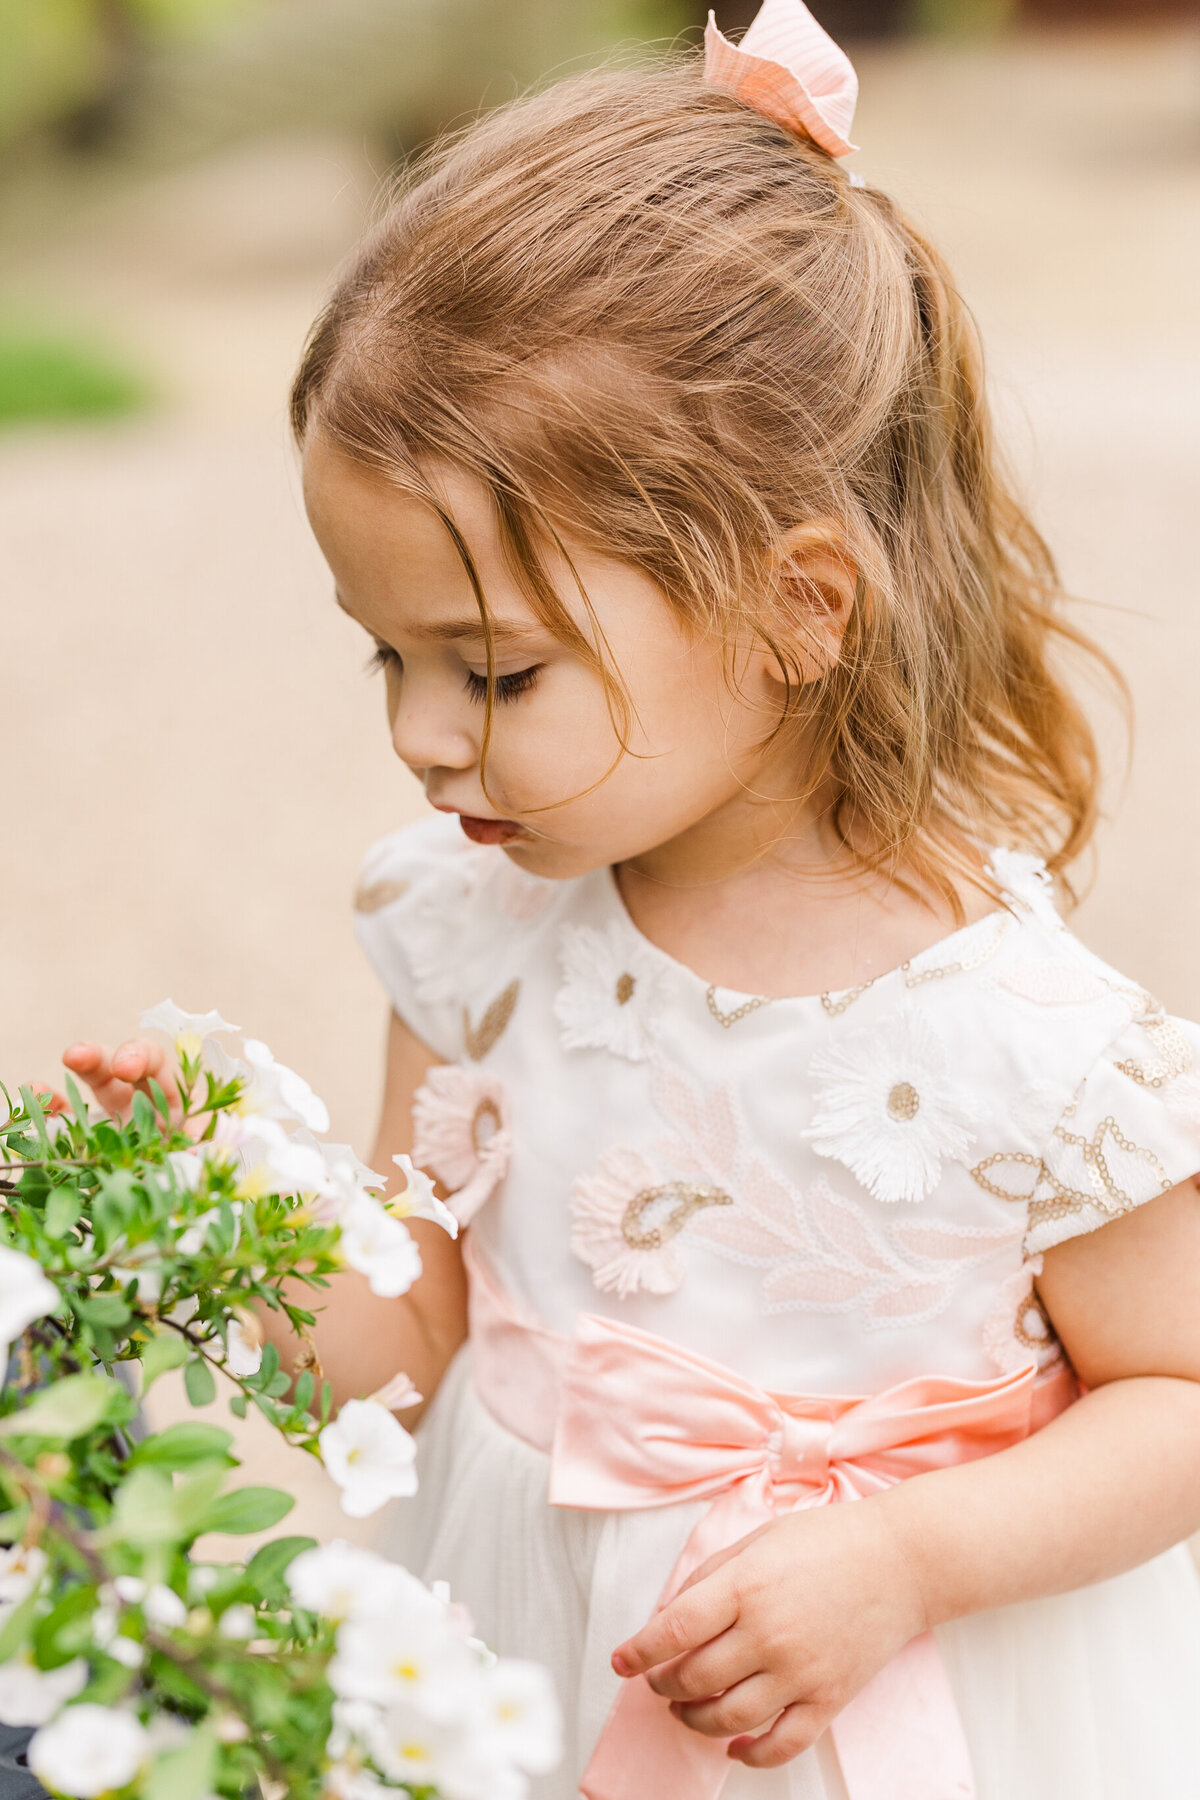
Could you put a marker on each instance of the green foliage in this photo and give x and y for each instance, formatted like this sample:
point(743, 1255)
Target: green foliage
point(54, 376)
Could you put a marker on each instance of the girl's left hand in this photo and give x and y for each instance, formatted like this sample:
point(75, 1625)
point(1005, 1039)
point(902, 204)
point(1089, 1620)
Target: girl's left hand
point(786, 1626)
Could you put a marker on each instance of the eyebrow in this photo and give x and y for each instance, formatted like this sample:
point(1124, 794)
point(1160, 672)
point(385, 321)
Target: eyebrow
point(469, 626)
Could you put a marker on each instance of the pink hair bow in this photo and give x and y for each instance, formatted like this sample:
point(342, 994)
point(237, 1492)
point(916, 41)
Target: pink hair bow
point(789, 69)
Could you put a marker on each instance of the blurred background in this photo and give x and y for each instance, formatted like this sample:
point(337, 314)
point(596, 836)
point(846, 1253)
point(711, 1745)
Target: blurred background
point(193, 760)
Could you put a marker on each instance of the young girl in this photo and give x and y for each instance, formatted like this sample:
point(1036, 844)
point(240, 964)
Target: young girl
point(805, 1156)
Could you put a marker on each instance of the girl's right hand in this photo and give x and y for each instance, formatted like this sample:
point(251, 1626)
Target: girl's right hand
point(114, 1078)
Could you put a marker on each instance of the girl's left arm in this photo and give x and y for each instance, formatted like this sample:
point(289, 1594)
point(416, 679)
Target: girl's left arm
point(790, 1623)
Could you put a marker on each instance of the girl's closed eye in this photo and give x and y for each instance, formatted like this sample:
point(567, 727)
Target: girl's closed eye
point(382, 657)
point(505, 687)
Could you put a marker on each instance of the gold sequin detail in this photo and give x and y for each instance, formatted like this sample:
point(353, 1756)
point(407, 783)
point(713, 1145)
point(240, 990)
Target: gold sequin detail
point(726, 1019)
point(837, 1003)
point(376, 894)
point(1174, 1054)
point(1032, 1326)
point(485, 1124)
point(685, 1199)
point(917, 977)
point(1049, 1197)
point(624, 989)
point(481, 1038)
point(904, 1102)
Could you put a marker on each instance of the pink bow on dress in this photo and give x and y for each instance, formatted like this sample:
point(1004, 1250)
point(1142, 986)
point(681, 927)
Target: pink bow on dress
point(789, 69)
point(643, 1422)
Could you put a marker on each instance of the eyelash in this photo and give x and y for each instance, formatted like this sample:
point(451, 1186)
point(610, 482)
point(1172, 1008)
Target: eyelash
point(506, 687)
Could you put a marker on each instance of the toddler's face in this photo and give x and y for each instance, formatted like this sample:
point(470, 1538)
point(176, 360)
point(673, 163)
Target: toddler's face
point(563, 795)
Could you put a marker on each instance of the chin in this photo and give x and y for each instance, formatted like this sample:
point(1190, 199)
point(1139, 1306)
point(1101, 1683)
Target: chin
point(553, 861)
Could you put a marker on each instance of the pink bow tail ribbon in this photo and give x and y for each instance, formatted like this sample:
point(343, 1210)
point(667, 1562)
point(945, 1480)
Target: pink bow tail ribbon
point(643, 1422)
point(789, 69)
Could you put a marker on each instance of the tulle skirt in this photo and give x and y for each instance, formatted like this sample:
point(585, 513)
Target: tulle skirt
point(1093, 1695)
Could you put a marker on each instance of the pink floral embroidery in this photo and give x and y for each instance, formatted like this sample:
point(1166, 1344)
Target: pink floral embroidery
point(463, 1135)
point(1017, 1330)
point(627, 1219)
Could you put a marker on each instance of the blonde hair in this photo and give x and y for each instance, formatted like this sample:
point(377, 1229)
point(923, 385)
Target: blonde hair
point(646, 316)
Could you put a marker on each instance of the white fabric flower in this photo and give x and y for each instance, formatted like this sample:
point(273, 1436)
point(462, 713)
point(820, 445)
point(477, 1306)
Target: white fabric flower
point(379, 1247)
point(611, 993)
point(370, 1456)
point(88, 1751)
point(186, 1030)
point(418, 1200)
point(886, 1108)
point(33, 1696)
point(461, 1129)
point(278, 1092)
point(26, 1294)
point(1026, 879)
point(342, 1581)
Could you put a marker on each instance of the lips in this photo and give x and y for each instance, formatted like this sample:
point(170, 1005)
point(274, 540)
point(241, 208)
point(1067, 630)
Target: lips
point(489, 831)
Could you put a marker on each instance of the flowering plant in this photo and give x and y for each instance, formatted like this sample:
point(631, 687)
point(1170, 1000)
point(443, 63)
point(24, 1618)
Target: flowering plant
point(129, 1247)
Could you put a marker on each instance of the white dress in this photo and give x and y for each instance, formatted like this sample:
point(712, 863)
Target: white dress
point(850, 1190)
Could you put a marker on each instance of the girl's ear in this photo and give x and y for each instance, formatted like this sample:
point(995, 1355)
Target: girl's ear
point(816, 585)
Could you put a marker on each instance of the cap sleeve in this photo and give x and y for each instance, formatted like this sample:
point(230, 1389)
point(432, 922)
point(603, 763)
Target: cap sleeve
point(410, 907)
point(1131, 1132)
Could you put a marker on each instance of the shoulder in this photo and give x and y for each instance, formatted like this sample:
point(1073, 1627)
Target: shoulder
point(432, 909)
point(1108, 1080)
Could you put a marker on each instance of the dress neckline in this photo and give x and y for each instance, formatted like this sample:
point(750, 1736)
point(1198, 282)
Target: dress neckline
point(957, 949)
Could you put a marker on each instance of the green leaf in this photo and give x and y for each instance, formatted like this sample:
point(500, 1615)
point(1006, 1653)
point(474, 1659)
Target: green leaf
point(161, 1104)
point(64, 1208)
point(199, 1381)
point(78, 1103)
point(104, 1309)
point(237, 1405)
point(18, 1626)
point(162, 1352)
point(247, 1509)
point(183, 1446)
point(185, 1773)
point(302, 1396)
point(144, 1116)
point(74, 1405)
point(145, 1511)
point(37, 1118)
point(270, 1562)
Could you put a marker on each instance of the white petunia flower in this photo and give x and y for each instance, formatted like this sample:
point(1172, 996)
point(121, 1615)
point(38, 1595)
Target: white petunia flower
point(273, 1162)
point(611, 993)
point(370, 1456)
point(418, 1200)
point(33, 1696)
point(420, 1750)
point(243, 1344)
point(342, 1581)
point(413, 1654)
point(88, 1751)
point(238, 1622)
point(277, 1092)
point(26, 1294)
point(146, 1276)
point(519, 1715)
point(186, 1030)
point(21, 1569)
point(379, 1247)
point(886, 1107)
point(398, 1393)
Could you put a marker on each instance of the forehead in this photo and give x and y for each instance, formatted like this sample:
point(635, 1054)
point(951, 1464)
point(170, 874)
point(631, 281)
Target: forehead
point(393, 560)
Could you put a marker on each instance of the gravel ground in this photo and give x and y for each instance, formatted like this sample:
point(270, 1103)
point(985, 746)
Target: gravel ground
point(194, 759)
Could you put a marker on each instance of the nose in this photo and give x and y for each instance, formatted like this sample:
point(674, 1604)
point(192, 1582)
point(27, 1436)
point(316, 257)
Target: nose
point(426, 736)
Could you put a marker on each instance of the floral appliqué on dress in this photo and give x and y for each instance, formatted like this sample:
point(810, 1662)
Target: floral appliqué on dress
point(626, 1221)
point(887, 1109)
point(462, 1135)
point(611, 992)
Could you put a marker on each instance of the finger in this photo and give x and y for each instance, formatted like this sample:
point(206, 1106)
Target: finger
point(685, 1623)
point(140, 1062)
point(710, 1670)
point(795, 1730)
point(720, 1558)
point(748, 1706)
point(93, 1064)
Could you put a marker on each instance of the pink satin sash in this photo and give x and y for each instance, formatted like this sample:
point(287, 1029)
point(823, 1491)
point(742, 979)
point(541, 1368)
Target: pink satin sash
point(631, 1420)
